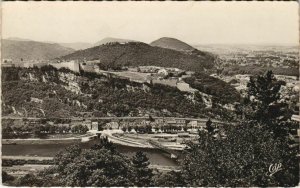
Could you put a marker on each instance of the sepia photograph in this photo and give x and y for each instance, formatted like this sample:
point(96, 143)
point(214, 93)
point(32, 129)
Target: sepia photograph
point(150, 94)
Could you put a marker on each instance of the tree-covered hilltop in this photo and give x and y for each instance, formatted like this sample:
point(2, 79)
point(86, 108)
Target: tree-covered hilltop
point(141, 54)
point(61, 93)
point(172, 43)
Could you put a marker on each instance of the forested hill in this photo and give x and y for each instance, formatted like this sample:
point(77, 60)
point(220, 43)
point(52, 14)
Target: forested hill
point(172, 43)
point(32, 50)
point(141, 54)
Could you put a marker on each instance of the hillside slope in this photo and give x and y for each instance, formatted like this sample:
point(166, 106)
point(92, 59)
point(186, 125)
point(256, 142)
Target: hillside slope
point(172, 43)
point(141, 54)
point(63, 93)
point(31, 50)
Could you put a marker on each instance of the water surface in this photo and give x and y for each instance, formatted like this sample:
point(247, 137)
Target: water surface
point(155, 156)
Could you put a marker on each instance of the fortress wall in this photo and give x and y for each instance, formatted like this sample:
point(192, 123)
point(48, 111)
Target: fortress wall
point(172, 83)
point(72, 65)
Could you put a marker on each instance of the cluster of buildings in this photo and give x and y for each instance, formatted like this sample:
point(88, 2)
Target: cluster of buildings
point(158, 71)
point(261, 58)
point(118, 123)
point(21, 63)
point(240, 81)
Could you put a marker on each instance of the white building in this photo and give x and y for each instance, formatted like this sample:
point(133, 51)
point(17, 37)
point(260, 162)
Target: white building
point(163, 72)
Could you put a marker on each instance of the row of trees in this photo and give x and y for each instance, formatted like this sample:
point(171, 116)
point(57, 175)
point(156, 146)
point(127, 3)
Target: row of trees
point(10, 131)
point(149, 128)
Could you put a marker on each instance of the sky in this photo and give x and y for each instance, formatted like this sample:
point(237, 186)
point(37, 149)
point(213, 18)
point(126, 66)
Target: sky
point(192, 22)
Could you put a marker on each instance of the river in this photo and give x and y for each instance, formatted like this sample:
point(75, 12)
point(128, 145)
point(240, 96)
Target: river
point(155, 156)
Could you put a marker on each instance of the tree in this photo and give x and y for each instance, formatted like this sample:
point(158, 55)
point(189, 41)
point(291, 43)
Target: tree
point(169, 179)
point(151, 119)
point(104, 143)
point(264, 95)
point(30, 180)
point(142, 173)
point(148, 128)
point(84, 129)
point(209, 126)
point(7, 132)
point(6, 177)
point(263, 104)
point(74, 129)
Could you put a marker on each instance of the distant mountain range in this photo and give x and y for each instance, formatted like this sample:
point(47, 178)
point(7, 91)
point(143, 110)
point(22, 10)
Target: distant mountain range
point(112, 52)
point(172, 43)
point(32, 50)
point(18, 39)
point(77, 45)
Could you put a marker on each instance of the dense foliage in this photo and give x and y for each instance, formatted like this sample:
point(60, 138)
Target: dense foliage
point(247, 153)
point(141, 173)
point(263, 96)
point(222, 91)
point(6, 177)
point(242, 158)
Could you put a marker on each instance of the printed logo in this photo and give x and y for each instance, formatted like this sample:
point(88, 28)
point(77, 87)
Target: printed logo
point(273, 168)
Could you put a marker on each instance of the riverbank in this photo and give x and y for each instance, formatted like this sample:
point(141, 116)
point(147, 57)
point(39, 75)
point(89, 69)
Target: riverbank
point(21, 170)
point(68, 140)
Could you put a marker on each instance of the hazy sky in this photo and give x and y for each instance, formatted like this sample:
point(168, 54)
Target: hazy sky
point(192, 22)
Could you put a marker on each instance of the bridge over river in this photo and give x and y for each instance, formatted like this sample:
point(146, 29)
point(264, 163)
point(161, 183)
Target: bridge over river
point(155, 144)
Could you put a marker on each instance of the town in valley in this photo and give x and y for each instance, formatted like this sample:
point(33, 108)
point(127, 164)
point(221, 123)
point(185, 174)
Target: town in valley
point(165, 112)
